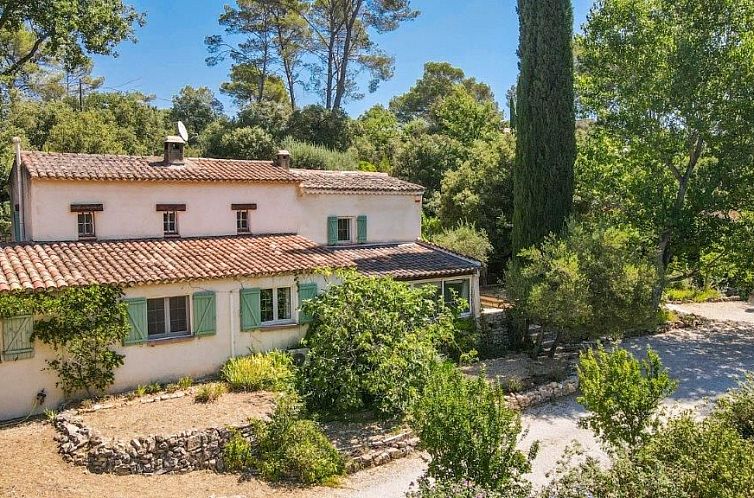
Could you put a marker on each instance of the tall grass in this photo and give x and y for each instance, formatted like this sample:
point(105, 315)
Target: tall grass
point(262, 371)
point(308, 156)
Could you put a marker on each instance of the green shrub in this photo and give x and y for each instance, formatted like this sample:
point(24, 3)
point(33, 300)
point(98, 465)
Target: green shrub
point(171, 388)
point(470, 433)
point(371, 344)
point(292, 448)
point(622, 394)
point(308, 156)
point(692, 295)
point(153, 388)
point(705, 459)
point(185, 382)
point(209, 393)
point(593, 282)
point(465, 239)
point(271, 371)
point(736, 409)
point(237, 454)
point(451, 489)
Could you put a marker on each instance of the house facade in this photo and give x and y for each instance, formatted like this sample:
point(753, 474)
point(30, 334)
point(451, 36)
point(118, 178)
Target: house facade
point(214, 256)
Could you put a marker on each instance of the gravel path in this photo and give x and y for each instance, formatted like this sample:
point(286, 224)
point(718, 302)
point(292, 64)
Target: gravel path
point(735, 311)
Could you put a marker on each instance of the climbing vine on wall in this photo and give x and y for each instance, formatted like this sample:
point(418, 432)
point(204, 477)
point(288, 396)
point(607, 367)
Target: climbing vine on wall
point(82, 325)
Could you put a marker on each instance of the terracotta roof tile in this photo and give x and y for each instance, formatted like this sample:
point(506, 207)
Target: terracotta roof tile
point(55, 265)
point(66, 166)
point(108, 167)
point(356, 181)
point(407, 261)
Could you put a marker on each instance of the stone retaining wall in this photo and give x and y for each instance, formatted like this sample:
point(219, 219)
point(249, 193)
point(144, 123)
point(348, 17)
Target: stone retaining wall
point(543, 394)
point(175, 454)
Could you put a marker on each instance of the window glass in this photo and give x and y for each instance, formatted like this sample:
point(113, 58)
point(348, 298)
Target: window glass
point(155, 316)
point(169, 222)
point(178, 314)
point(242, 221)
point(86, 224)
point(344, 229)
point(267, 305)
point(284, 303)
point(455, 289)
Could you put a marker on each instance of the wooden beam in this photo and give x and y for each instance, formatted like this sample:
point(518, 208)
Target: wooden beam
point(243, 207)
point(171, 207)
point(79, 208)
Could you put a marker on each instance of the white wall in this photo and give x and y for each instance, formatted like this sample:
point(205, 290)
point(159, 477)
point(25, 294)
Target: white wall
point(161, 361)
point(129, 210)
point(390, 218)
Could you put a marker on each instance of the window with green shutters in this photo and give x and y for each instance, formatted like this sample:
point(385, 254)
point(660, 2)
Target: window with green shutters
point(17, 342)
point(361, 229)
point(250, 309)
point(305, 292)
point(205, 313)
point(137, 320)
point(332, 230)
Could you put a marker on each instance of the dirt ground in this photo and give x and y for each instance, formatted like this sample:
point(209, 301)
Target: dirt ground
point(172, 416)
point(521, 369)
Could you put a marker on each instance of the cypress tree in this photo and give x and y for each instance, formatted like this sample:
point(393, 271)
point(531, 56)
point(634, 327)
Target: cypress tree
point(545, 124)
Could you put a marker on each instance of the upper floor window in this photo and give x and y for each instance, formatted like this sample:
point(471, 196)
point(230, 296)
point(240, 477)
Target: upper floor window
point(242, 221)
point(170, 222)
point(275, 304)
point(344, 230)
point(86, 224)
point(167, 317)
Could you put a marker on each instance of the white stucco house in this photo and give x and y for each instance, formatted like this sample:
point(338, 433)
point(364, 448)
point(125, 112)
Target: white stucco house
point(214, 255)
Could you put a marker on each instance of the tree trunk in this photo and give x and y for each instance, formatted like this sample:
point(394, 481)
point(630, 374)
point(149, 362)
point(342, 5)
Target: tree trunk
point(340, 87)
point(555, 344)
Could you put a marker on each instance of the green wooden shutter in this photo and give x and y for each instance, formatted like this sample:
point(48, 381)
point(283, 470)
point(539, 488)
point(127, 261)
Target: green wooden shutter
point(361, 229)
point(204, 313)
point(250, 309)
point(332, 230)
point(17, 342)
point(137, 319)
point(305, 292)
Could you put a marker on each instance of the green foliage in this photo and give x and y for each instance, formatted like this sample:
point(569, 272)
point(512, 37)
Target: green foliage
point(480, 191)
point(470, 433)
point(290, 447)
point(462, 117)
point(237, 453)
point(246, 83)
point(623, 395)
point(316, 125)
point(308, 156)
point(736, 409)
point(427, 488)
point(424, 158)
point(185, 382)
point(196, 108)
point(209, 393)
point(465, 239)
point(692, 295)
point(371, 344)
point(272, 117)
point(271, 371)
point(82, 325)
point(590, 283)
point(704, 459)
point(670, 98)
point(545, 123)
point(377, 137)
point(439, 80)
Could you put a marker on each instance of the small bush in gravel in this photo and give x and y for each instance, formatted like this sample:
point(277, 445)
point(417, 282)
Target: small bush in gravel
point(185, 382)
point(290, 447)
point(259, 372)
point(470, 433)
point(736, 409)
point(209, 393)
point(237, 453)
point(623, 395)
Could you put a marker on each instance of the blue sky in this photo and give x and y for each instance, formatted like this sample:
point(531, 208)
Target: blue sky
point(480, 36)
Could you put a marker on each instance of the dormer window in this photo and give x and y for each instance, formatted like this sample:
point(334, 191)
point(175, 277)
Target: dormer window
point(86, 225)
point(85, 219)
point(170, 222)
point(170, 218)
point(243, 223)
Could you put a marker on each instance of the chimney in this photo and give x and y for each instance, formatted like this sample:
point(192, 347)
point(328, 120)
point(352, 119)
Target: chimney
point(282, 159)
point(174, 150)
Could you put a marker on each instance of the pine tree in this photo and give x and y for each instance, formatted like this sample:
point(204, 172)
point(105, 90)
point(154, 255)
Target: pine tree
point(546, 135)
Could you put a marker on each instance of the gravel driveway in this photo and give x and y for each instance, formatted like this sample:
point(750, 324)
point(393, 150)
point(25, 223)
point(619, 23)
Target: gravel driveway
point(706, 361)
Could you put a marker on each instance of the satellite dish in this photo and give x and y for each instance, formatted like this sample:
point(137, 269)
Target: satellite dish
point(182, 131)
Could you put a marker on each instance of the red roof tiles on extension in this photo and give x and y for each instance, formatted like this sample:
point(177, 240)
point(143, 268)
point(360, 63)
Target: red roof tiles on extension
point(56, 265)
